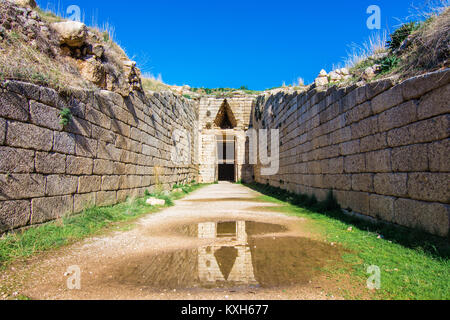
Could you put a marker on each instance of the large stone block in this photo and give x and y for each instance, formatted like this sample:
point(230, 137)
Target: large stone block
point(14, 160)
point(103, 167)
point(64, 143)
point(430, 217)
point(337, 181)
point(410, 158)
point(435, 103)
point(420, 132)
point(83, 201)
point(438, 156)
point(108, 151)
point(123, 195)
point(58, 185)
point(382, 207)
point(398, 116)
point(48, 96)
point(98, 118)
point(358, 113)
point(387, 100)
point(21, 186)
point(377, 87)
point(13, 106)
point(362, 182)
point(355, 163)
point(110, 183)
point(50, 208)
point(29, 136)
point(120, 128)
point(336, 165)
point(79, 127)
point(14, 214)
point(88, 184)
point(416, 87)
point(391, 184)
point(28, 90)
point(85, 147)
point(120, 168)
point(105, 198)
point(45, 116)
point(358, 201)
point(79, 165)
point(136, 134)
point(365, 127)
point(429, 186)
point(50, 163)
point(374, 142)
point(379, 161)
point(103, 134)
point(350, 147)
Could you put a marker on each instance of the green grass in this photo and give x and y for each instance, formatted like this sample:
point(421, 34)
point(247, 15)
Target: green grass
point(71, 229)
point(414, 265)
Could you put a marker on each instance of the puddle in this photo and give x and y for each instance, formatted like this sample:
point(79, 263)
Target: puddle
point(241, 258)
point(235, 199)
point(227, 229)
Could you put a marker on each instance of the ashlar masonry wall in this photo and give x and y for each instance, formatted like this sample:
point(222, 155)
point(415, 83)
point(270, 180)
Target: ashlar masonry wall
point(113, 148)
point(383, 148)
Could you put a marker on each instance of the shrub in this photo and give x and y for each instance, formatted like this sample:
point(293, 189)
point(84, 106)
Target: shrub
point(65, 116)
point(389, 63)
point(401, 34)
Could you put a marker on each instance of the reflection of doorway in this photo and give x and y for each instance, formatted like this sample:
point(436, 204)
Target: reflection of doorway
point(226, 158)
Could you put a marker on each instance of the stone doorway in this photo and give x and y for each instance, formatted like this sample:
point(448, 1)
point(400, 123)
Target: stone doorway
point(226, 150)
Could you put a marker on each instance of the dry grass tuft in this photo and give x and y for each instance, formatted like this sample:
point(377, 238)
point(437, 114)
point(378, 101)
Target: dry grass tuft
point(374, 45)
point(152, 83)
point(27, 54)
point(20, 61)
point(430, 45)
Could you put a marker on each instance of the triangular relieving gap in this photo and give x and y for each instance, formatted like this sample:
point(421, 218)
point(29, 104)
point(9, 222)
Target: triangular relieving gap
point(225, 118)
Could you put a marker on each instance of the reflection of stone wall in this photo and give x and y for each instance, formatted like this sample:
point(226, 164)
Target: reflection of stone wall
point(383, 147)
point(112, 148)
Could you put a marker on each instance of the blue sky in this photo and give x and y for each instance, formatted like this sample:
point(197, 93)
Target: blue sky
point(258, 44)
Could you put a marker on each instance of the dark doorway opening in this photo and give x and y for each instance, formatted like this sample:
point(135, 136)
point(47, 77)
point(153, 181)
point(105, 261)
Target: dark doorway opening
point(226, 172)
point(226, 156)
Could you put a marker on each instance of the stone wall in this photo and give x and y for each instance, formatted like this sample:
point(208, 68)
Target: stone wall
point(113, 148)
point(383, 148)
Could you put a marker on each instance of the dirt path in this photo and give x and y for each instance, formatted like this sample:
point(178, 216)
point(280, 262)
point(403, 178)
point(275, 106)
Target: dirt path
point(214, 244)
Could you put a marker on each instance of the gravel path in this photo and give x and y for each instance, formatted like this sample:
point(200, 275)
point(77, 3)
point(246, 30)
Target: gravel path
point(163, 256)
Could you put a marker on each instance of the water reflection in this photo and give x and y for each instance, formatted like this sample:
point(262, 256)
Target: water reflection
point(230, 262)
point(238, 258)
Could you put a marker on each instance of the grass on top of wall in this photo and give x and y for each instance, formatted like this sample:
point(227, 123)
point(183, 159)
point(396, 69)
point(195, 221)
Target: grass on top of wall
point(414, 265)
point(71, 229)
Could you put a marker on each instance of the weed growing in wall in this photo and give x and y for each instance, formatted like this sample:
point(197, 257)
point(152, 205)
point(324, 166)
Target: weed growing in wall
point(65, 117)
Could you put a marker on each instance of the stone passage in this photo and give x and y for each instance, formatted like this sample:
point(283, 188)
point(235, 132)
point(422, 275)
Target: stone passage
point(382, 147)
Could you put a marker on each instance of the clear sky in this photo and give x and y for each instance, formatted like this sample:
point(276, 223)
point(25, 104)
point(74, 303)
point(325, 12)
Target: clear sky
point(258, 44)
